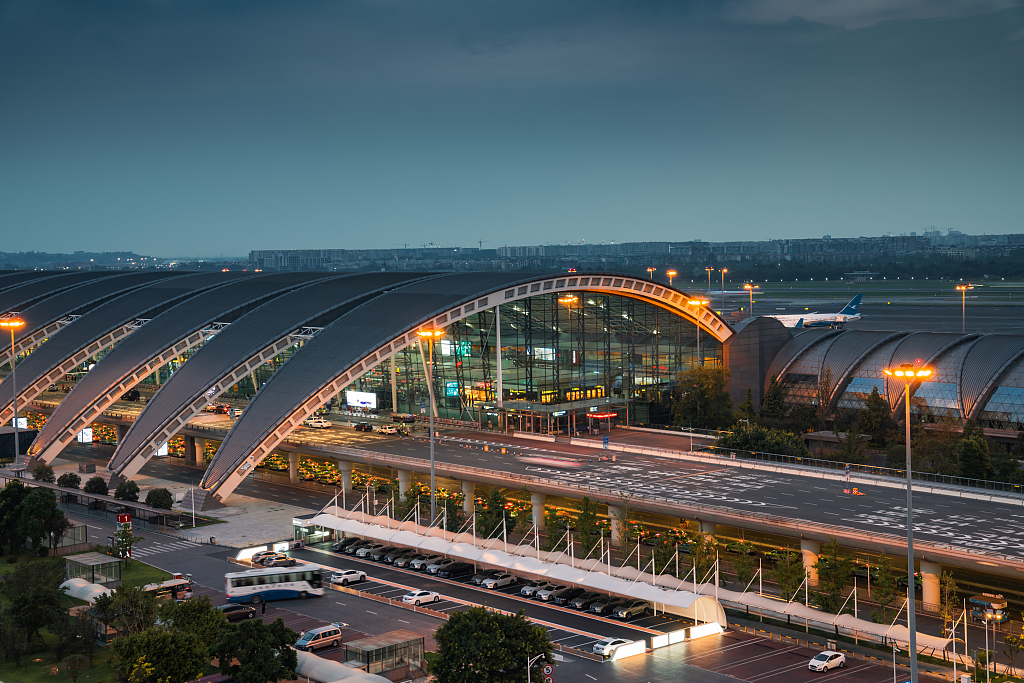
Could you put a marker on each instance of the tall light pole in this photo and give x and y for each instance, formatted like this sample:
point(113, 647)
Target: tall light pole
point(13, 324)
point(671, 274)
point(724, 271)
point(710, 270)
point(650, 272)
point(431, 335)
point(698, 302)
point(963, 305)
point(750, 288)
point(907, 374)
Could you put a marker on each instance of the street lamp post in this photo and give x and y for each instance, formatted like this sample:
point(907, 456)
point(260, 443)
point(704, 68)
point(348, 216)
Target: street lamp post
point(963, 305)
point(13, 324)
point(724, 271)
point(907, 373)
point(698, 302)
point(529, 663)
point(710, 270)
point(671, 274)
point(650, 272)
point(750, 288)
point(431, 335)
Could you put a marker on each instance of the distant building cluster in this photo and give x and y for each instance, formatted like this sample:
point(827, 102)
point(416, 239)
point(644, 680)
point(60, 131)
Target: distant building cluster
point(846, 250)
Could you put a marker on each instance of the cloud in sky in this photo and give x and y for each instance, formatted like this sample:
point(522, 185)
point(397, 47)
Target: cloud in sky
point(310, 123)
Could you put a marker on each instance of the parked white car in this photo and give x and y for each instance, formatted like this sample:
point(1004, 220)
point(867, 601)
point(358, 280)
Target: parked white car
point(604, 647)
point(388, 429)
point(421, 597)
point(827, 660)
point(544, 594)
point(499, 581)
point(347, 576)
point(423, 563)
point(433, 567)
point(316, 423)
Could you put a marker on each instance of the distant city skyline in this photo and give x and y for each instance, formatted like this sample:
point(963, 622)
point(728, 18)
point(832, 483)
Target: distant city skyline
point(209, 128)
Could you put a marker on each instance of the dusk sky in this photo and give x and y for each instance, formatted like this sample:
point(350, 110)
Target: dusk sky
point(207, 127)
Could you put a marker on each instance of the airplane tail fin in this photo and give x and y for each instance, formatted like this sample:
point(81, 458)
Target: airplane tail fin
point(799, 323)
point(851, 308)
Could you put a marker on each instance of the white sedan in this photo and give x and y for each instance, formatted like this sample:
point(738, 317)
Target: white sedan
point(420, 597)
point(317, 423)
point(604, 647)
point(498, 581)
point(347, 576)
point(827, 660)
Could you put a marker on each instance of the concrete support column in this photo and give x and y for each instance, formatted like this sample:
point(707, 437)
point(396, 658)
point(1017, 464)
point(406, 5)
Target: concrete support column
point(615, 517)
point(810, 550)
point(538, 500)
point(293, 468)
point(345, 468)
point(394, 382)
point(190, 449)
point(404, 483)
point(708, 528)
point(121, 431)
point(931, 576)
point(469, 498)
point(200, 451)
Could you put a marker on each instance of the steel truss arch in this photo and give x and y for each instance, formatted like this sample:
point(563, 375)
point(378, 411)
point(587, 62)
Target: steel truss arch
point(244, 448)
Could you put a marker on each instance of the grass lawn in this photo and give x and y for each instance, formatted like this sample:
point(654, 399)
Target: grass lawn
point(38, 667)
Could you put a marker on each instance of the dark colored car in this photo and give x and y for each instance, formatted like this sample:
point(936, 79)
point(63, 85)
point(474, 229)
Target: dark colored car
point(567, 595)
point(607, 605)
point(902, 581)
point(379, 554)
point(585, 600)
point(233, 612)
point(455, 570)
point(401, 552)
point(351, 549)
point(482, 575)
point(282, 562)
point(340, 546)
point(363, 427)
point(223, 409)
point(404, 560)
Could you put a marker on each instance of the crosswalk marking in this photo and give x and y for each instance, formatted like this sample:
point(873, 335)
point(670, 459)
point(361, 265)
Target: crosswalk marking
point(162, 548)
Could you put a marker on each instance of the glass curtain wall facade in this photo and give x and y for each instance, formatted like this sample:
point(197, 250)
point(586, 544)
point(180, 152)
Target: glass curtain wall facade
point(556, 349)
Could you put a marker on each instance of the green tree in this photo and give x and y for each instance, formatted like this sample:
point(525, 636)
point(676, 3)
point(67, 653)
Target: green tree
point(34, 592)
point(14, 640)
point(171, 657)
point(773, 403)
point(851, 447)
point(949, 601)
point(788, 573)
point(41, 518)
point(746, 409)
point(76, 665)
point(264, 653)
point(455, 515)
point(823, 396)
point(11, 498)
point(703, 399)
point(973, 453)
point(69, 480)
point(883, 589)
point(197, 616)
point(489, 519)
point(124, 541)
point(834, 571)
point(127, 490)
point(764, 440)
point(1012, 646)
point(96, 486)
point(703, 553)
point(43, 472)
point(588, 533)
point(75, 634)
point(745, 565)
point(160, 498)
point(1006, 467)
point(129, 610)
point(481, 646)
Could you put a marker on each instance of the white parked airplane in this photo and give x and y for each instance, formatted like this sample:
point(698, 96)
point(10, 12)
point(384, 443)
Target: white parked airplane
point(816, 319)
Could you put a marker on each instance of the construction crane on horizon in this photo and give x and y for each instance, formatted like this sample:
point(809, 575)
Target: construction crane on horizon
point(481, 243)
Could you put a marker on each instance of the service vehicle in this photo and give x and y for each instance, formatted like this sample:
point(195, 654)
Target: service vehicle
point(316, 638)
point(989, 608)
point(274, 583)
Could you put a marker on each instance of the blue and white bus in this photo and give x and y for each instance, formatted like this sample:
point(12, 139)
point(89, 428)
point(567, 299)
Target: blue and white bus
point(275, 583)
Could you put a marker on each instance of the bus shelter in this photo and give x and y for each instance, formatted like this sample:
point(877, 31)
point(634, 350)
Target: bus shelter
point(392, 655)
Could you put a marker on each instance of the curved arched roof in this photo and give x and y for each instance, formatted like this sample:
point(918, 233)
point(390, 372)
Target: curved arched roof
point(260, 334)
point(13, 278)
point(357, 341)
point(169, 334)
point(25, 294)
point(101, 327)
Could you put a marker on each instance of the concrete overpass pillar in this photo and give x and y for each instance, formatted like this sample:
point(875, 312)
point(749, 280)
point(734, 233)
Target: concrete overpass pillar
point(121, 431)
point(345, 468)
point(469, 498)
point(293, 468)
point(810, 550)
point(615, 517)
point(200, 452)
point(931, 576)
point(538, 500)
point(708, 528)
point(190, 450)
point(404, 483)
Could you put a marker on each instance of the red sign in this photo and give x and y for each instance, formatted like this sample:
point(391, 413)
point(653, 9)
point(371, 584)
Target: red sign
point(124, 519)
point(603, 415)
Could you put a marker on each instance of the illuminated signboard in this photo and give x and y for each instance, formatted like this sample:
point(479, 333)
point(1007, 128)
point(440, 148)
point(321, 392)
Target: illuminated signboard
point(361, 399)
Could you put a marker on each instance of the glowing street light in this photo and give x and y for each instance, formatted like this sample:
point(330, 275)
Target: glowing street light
point(698, 302)
point(430, 335)
point(650, 272)
point(710, 270)
point(750, 288)
point(908, 374)
point(13, 324)
point(671, 274)
point(963, 305)
point(724, 271)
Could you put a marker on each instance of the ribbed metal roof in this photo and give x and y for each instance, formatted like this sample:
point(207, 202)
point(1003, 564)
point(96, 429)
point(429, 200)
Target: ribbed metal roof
point(847, 352)
point(27, 293)
point(223, 303)
point(793, 349)
point(245, 338)
point(921, 348)
point(74, 338)
point(986, 359)
point(13, 278)
point(339, 346)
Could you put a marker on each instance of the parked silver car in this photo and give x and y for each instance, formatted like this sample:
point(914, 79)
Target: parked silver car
point(499, 581)
point(422, 563)
point(435, 567)
point(531, 588)
point(545, 594)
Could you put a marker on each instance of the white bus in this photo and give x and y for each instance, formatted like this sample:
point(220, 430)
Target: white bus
point(274, 583)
